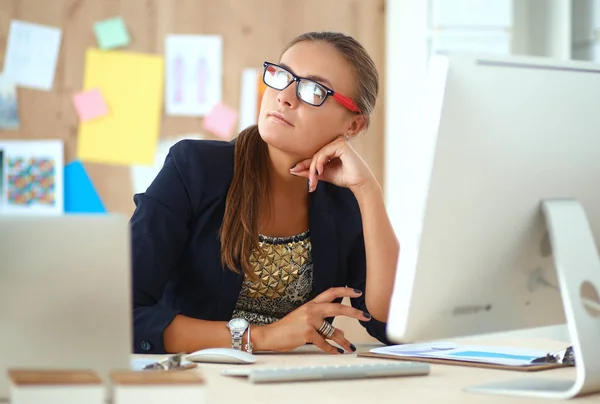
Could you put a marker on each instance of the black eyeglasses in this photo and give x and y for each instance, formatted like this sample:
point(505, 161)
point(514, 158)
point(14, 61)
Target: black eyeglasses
point(307, 90)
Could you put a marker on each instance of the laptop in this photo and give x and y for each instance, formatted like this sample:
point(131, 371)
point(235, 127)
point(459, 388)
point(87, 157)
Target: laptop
point(65, 292)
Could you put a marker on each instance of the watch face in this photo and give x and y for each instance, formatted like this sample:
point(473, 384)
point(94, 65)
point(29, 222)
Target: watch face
point(238, 324)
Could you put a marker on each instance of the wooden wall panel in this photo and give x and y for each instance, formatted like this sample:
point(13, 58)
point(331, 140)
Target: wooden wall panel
point(252, 30)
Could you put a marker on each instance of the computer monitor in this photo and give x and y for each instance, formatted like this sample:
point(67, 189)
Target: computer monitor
point(500, 178)
point(65, 294)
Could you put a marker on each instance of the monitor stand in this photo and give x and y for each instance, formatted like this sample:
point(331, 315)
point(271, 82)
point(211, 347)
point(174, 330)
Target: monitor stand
point(578, 271)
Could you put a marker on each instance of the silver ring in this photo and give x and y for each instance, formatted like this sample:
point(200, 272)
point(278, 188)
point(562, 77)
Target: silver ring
point(326, 329)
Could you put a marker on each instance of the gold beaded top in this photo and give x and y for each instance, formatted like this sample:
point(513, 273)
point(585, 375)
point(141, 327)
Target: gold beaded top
point(283, 270)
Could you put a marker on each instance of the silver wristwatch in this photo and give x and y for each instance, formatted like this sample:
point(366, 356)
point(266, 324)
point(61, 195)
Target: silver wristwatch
point(237, 327)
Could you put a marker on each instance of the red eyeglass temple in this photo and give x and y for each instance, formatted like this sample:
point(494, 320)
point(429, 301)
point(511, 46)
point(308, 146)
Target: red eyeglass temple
point(345, 101)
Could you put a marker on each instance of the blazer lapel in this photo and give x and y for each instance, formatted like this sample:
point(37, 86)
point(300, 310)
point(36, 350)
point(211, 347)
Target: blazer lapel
point(325, 248)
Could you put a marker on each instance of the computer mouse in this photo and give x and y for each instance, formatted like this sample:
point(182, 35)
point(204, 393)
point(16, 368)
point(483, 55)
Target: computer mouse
point(221, 355)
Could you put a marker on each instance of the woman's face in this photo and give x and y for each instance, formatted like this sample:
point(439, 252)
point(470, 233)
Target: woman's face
point(295, 127)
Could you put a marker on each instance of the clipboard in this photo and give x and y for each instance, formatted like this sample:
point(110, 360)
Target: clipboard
point(457, 362)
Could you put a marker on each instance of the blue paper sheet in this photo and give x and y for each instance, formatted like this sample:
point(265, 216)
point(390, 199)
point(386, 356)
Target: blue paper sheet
point(80, 193)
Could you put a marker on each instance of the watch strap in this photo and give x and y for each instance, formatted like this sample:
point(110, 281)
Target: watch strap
point(236, 340)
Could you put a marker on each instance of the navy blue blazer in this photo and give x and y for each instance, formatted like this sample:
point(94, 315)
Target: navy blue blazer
point(176, 250)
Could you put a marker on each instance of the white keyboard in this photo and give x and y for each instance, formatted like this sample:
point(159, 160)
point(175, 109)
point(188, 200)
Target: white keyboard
point(330, 372)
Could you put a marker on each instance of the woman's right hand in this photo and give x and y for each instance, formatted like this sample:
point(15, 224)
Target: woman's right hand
point(300, 326)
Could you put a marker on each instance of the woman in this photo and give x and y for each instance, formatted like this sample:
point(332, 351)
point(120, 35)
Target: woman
point(274, 228)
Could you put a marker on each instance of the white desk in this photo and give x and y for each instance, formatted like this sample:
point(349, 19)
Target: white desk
point(443, 385)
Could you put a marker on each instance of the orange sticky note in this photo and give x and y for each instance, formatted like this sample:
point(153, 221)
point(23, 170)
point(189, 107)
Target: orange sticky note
point(220, 121)
point(90, 104)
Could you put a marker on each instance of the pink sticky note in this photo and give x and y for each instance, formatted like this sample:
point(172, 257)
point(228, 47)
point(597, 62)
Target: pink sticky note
point(90, 104)
point(220, 121)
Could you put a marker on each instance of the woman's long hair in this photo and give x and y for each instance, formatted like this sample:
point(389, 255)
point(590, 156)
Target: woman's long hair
point(250, 184)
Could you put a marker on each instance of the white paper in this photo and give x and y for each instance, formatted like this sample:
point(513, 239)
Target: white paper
point(249, 98)
point(193, 74)
point(471, 353)
point(32, 177)
point(142, 176)
point(483, 42)
point(472, 13)
point(32, 54)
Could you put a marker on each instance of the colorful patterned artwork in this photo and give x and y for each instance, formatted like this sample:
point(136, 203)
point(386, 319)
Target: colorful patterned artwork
point(32, 177)
point(31, 181)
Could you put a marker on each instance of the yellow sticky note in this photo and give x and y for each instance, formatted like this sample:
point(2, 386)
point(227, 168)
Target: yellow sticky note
point(132, 86)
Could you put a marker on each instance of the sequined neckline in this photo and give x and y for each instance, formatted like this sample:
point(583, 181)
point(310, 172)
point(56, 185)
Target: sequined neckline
point(284, 240)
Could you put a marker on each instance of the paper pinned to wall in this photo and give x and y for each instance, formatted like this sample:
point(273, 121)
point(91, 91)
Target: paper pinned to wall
point(249, 105)
point(111, 33)
point(193, 74)
point(32, 54)
point(31, 177)
point(90, 104)
point(80, 194)
point(132, 86)
point(9, 114)
point(142, 176)
point(220, 121)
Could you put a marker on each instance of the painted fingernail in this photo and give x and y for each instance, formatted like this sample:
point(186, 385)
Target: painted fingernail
point(357, 291)
point(367, 315)
point(352, 347)
point(340, 350)
point(308, 185)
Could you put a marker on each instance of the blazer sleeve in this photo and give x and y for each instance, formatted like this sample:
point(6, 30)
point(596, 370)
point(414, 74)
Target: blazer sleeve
point(159, 228)
point(357, 269)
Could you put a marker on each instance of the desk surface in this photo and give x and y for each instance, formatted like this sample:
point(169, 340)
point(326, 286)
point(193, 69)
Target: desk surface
point(444, 384)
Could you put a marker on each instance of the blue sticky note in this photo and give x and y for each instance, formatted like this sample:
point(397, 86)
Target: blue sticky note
point(111, 33)
point(80, 193)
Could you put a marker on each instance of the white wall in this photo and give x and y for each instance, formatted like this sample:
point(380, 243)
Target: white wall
point(406, 58)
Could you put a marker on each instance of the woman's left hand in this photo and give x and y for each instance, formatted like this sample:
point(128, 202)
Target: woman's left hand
point(337, 163)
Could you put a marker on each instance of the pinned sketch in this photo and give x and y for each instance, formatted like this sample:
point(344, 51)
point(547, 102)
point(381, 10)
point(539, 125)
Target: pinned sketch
point(143, 175)
point(32, 54)
point(32, 180)
point(9, 115)
point(193, 74)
